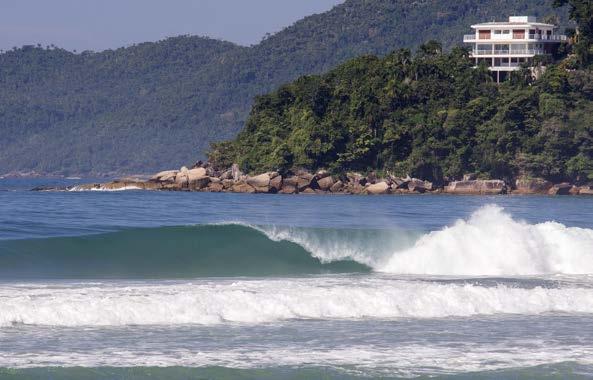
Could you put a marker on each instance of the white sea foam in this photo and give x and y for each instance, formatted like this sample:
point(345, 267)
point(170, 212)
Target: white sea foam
point(124, 188)
point(265, 301)
point(489, 243)
point(403, 360)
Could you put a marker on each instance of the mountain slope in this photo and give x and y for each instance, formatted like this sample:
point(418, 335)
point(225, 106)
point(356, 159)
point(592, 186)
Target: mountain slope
point(160, 104)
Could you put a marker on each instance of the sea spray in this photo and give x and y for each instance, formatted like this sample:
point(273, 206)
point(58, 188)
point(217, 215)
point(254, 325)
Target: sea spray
point(491, 243)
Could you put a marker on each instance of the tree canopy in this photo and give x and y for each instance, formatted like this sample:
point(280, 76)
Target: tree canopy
point(431, 115)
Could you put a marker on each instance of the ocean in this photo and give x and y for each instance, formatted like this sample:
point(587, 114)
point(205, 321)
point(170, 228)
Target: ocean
point(151, 285)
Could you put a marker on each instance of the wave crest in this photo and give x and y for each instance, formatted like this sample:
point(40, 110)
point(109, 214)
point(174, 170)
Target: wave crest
point(491, 243)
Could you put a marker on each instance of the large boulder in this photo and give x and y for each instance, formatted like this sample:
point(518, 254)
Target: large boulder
point(242, 187)
point(305, 180)
point(276, 183)
point(356, 178)
point(196, 173)
point(560, 189)
point(586, 190)
point(325, 183)
point(199, 183)
point(287, 189)
point(262, 180)
point(378, 188)
point(399, 182)
point(337, 187)
point(532, 186)
point(215, 187)
point(165, 176)
point(419, 186)
point(481, 187)
point(262, 183)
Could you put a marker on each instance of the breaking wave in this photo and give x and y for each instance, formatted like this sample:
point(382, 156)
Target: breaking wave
point(489, 243)
point(265, 301)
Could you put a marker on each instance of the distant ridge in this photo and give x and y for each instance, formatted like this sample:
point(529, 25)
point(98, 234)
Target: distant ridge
point(155, 105)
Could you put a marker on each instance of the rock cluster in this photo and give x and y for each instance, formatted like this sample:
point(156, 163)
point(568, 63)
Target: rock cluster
point(203, 177)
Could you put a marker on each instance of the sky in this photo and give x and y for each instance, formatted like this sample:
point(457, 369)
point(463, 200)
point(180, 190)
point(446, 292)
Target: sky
point(105, 24)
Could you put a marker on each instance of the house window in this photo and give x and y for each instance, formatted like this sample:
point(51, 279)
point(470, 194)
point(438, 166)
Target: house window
point(484, 34)
point(519, 34)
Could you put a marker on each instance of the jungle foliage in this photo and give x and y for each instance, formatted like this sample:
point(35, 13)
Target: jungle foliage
point(431, 115)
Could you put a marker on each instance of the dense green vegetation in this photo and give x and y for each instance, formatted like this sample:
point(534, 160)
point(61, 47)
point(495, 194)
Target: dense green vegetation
point(158, 105)
point(581, 11)
point(430, 115)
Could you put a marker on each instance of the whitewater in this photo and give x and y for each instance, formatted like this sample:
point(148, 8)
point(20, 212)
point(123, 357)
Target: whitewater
point(175, 285)
point(256, 301)
point(489, 243)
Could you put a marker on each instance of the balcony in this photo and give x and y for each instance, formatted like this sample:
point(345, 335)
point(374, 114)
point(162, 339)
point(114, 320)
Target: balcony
point(543, 37)
point(476, 53)
point(528, 37)
point(506, 65)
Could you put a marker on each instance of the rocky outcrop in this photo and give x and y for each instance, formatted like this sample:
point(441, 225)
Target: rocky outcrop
point(203, 177)
point(561, 189)
point(478, 187)
point(532, 186)
point(165, 176)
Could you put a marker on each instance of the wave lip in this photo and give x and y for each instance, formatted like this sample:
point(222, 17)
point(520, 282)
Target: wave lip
point(267, 301)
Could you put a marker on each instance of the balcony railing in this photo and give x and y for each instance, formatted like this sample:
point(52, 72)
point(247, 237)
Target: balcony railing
point(508, 52)
point(544, 37)
point(528, 37)
point(507, 64)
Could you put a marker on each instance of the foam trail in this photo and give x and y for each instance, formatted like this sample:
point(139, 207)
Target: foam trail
point(102, 189)
point(491, 243)
point(265, 301)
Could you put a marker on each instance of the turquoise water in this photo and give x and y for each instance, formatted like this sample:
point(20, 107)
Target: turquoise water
point(135, 285)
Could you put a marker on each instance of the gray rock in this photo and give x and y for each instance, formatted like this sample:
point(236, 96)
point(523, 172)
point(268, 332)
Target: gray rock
point(325, 183)
point(482, 187)
point(337, 187)
point(378, 188)
point(532, 186)
point(561, 189)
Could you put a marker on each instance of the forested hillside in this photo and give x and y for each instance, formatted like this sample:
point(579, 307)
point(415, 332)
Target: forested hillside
point(430, 115)
point(160, 104)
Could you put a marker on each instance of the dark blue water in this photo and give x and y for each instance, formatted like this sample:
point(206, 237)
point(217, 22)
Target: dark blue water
point(183, 285)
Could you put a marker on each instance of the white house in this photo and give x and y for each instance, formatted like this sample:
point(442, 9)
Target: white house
point(504, 46)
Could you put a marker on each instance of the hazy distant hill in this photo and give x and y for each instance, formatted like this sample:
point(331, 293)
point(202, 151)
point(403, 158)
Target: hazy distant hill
point(158, 105)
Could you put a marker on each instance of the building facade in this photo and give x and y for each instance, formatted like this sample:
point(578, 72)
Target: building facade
point(504, 46)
